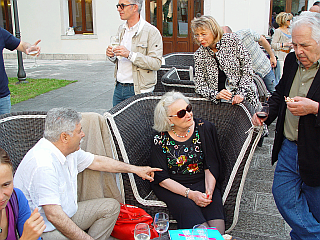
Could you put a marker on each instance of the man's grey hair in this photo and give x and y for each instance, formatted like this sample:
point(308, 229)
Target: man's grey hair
point(161, 121)
point(60, 120)
point(310, 19)
point(139, 4)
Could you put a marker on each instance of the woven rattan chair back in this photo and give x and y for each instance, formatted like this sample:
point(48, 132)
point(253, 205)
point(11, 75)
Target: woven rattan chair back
point(179, 58)
point(19, 132)
point(131, 122)
point(182, 70)
point(170, 82)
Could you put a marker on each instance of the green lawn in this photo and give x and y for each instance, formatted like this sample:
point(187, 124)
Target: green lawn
point(35, 87)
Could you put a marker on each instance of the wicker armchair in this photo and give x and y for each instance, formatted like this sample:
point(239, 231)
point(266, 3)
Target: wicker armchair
point(19, 132)
point(130, 124)
point(170, 81)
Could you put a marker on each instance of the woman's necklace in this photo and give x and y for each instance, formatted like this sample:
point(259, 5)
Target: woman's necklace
point(179, 135)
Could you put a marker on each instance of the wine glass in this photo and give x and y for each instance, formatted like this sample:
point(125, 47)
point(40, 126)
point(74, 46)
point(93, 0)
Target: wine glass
point(230, 87)
point(34, 54)
point(161, 222)
point(263, 112)
point(199, 231)
point(142, 231)
point(114, 41)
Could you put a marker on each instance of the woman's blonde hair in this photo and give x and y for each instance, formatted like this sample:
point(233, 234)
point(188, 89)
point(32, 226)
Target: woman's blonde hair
point(283, 17)
point(161, 121)
point(207, 22)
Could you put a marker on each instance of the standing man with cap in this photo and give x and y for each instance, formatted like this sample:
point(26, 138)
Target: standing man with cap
point(139, 55)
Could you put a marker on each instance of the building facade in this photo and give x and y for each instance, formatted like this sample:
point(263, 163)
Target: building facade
point(94, 21)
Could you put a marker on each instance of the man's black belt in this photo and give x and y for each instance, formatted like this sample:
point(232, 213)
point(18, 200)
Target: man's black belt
point(125, 84)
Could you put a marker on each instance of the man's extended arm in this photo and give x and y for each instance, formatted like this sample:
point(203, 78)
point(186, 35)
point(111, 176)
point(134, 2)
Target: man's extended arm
point(265, 44)
point(106, 164)
point(27, 47)
point(64, 224)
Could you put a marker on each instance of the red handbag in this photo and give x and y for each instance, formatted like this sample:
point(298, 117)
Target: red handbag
point(128, 218)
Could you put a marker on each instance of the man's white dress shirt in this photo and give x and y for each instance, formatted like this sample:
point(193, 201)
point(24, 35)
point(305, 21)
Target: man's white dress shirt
point(124, 74)
point(46, 177)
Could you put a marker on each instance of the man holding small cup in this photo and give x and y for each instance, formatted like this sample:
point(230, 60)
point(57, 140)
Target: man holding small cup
point(139, 55)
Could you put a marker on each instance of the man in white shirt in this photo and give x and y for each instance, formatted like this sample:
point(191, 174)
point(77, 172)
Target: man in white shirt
point(139, 55)
point(47, 175)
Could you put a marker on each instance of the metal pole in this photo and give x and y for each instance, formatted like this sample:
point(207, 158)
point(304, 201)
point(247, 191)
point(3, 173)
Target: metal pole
point(21, 73)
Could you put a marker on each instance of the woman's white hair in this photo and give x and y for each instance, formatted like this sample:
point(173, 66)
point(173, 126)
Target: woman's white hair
point(161, 120)
point(310, 19)
point(60, 120)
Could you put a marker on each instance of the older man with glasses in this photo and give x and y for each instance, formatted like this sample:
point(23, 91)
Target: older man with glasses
point(139, 55)
point(295, 104)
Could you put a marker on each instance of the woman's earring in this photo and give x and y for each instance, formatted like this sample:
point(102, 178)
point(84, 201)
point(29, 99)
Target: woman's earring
point(172, 125)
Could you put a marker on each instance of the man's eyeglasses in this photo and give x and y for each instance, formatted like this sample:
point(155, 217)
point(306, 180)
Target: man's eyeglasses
point(122, 5)
point(182, 112)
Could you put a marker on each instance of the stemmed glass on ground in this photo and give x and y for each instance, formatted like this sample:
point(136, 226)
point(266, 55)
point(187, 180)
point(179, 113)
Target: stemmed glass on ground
point(142, 231)
point(161, 222)
point(199, 232)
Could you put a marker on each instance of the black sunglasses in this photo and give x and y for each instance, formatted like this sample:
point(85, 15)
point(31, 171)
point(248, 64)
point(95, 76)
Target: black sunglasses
point(182, 112)
point(122, 5)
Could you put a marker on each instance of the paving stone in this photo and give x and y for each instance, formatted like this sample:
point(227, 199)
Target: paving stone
point(261, 224)
point(265, 204)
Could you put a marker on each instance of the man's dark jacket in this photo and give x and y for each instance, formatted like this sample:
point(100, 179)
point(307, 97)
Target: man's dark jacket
point(309, 125)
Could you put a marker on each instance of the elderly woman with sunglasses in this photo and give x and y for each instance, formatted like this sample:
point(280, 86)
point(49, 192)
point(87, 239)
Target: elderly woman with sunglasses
point(222, 58)
point(187, 150)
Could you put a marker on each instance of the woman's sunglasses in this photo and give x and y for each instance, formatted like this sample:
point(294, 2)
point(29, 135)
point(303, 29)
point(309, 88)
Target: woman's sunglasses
point(182, 112)
point(122, 5)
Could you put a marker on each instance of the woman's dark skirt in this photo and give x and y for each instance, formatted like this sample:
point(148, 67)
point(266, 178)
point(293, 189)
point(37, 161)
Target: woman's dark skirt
point(185, 211)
